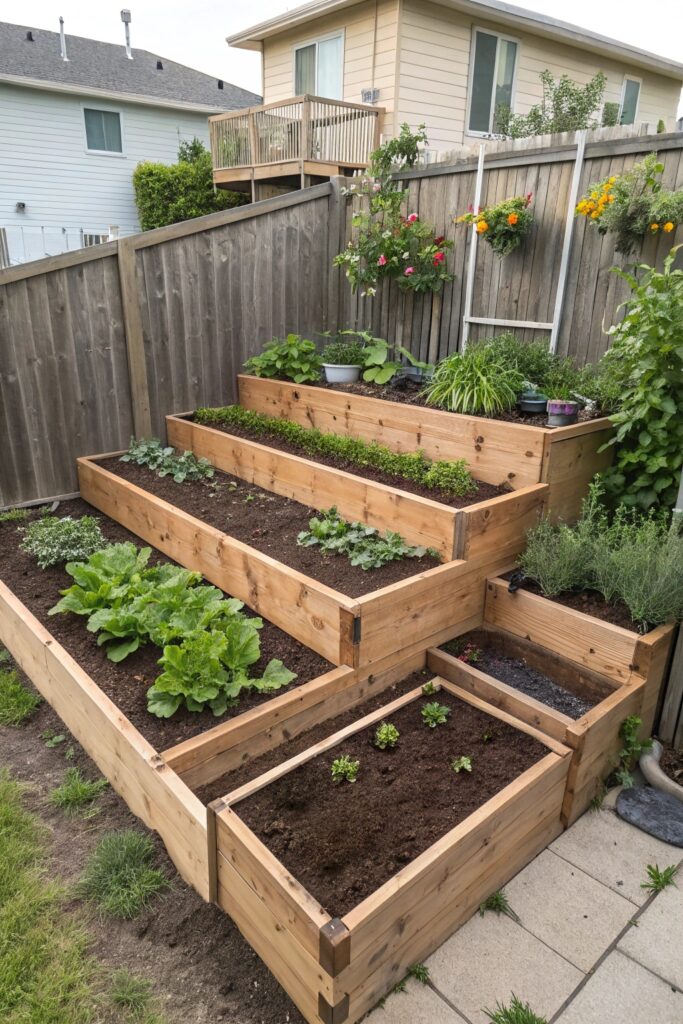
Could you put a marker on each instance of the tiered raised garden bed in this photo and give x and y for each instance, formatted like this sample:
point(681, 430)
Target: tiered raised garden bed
point(407, 615)
point(498, 452)
point(618, 670)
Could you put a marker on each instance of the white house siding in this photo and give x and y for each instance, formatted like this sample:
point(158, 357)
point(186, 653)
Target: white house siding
point(44, 164)
point(434, 49)
point(370, 46)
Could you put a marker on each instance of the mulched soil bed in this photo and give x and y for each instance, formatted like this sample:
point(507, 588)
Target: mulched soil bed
point(409, 393)
point(484, 490)
point(127, 683)
point(671, 763)
point(342, 841)
point(268, 523)
point(515, 672)
point(589, 602)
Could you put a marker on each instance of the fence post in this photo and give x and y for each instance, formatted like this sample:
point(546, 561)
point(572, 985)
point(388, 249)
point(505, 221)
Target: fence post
point(335, 222)
point(135, 345)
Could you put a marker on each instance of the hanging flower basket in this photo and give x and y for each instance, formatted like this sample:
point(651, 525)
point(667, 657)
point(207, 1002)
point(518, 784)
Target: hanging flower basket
point(502, 226)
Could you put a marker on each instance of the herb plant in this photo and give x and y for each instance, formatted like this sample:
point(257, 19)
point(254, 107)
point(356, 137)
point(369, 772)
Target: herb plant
point(166, 461)
point(649, 435)
point(291, 358)
point(658, 878)
point(451, 477)
point(363, 545)
point(344, 769)
point(434, 714)
point(343, 353)
point(475, 381)
point(631, 750)
point(461, 764)
point(52, 540)
point(386, 735)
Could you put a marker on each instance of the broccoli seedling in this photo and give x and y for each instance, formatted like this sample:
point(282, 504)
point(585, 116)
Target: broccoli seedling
point(461, 764)
point(344, 769)
point(434, 714)
point(386, 735)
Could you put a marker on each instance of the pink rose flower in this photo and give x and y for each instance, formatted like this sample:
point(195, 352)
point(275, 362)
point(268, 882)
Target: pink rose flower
point(408, 271)
point(412, 218)
point(382, 260)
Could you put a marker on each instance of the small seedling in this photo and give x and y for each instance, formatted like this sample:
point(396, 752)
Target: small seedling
point(386, 735)
point(75, 791)
point(344, 769)
point(249, 498)
point(119, 876)
point(516, 1013)
point(70, 753)
point(51, 739)
point(488, 735)
point(659, 878)
point(469, 654)
point(16, 702)
point(420, 972)
point(499, 904)
point(461, 764)
point(428, 689)
point(434, 714)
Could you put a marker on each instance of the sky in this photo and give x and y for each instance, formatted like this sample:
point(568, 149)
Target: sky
point(194, 32)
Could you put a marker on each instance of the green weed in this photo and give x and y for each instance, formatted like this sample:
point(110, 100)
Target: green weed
point(499, 904)
point(516, 1013)
point(659, 878)
point(76, 792)
point(16, 702)
point(119, 877)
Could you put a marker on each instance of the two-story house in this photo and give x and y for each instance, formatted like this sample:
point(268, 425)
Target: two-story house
point(76, 117)
point(447, 63)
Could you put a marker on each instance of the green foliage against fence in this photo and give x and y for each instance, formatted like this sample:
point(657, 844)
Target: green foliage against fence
point(170, 193)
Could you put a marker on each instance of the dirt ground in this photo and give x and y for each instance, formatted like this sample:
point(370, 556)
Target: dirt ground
point(202, 970)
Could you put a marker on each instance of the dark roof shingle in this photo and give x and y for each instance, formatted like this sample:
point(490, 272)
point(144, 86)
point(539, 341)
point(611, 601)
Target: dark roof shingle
point(97, 65)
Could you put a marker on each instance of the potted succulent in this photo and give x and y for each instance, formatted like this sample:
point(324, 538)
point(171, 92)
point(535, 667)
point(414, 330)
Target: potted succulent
point(343, 361)
point(532, 401)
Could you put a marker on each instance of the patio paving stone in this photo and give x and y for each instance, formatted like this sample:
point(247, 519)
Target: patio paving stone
point(623, 991)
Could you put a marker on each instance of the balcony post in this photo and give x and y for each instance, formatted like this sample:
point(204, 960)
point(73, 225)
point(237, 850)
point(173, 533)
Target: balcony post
point(305, 136)
point(253, 138)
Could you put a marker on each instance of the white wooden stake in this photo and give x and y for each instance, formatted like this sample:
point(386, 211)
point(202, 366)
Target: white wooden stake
point(567, 243)
point(469, 288)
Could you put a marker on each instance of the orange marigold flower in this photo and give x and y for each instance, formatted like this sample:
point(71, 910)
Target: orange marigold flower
point(669, 226)
point(512, 218)
point(482, 226)
point(595, 214)
point(654, 227)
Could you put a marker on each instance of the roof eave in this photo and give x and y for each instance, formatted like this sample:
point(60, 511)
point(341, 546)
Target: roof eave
point(121, 97)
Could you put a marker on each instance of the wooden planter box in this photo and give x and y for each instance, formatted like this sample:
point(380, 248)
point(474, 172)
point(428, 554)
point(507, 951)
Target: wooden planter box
point(497, 523)
point(622, 667)
point(566, 458)
point(414, 613)
point(335, 970)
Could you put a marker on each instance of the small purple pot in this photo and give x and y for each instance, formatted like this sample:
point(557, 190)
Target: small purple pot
point(561, 413)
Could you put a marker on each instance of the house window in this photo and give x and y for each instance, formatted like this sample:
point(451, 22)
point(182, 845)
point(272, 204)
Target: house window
point(103, 130)
point(318, 68)
point(493, 72)
point(629, 101)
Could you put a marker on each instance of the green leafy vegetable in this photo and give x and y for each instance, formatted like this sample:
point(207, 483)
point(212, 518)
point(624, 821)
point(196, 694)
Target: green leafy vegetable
point(52, 540)
point(434, 714)
point(363, 545)
point(344, 769)
point(166, 462)
point(461, 764)
point(386, 735)
point(292, 358)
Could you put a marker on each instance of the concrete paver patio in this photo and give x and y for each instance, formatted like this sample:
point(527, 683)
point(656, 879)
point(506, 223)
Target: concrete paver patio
point(591, 946)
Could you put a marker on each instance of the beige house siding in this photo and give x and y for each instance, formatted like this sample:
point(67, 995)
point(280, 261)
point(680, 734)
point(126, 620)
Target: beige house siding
point(370, 48)
point(418, 55)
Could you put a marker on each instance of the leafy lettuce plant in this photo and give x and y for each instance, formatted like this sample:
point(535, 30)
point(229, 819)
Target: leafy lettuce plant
point(363, 545)
point(434, 714)
point(167, 462)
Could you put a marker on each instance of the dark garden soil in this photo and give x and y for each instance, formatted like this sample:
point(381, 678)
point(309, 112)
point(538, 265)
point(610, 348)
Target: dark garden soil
point(268, 523)
point(127, 683)
point(671, 763)
point(409, 393)
point(342, 841)
point(201, 969)
point(483, 493)
point(588, 601)
point(516, 673)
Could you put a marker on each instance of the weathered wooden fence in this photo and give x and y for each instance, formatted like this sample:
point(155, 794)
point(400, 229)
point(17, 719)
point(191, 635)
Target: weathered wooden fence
point(102, 343)
point(522, 286)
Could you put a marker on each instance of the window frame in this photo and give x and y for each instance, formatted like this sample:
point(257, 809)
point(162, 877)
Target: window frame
point(107, 110)
point(313, 41)
point(630, 78)
point(470, 75)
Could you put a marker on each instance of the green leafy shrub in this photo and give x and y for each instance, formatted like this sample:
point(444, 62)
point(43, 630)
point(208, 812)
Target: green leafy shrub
point(386, 735)
point(167, 194)
point(165, 461)
point(363, 545)
point(16, 702)
point(451, 477)
point(566, 107)
point(119, 877)
point(52, 540)
point(461, 764)
point(380, 358)
point(434, 714)
point(649, 435)
point(291, 358)
point(344, 769)
point(557, 557)
point(343, 353)
point(75, 791)
point(475, 381)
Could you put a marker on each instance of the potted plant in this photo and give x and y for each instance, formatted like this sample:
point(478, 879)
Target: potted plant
point(503, 226)
point(343, 361)
point(562, 411)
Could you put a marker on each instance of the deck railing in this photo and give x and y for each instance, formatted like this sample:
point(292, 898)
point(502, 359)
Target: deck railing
point(305, 128)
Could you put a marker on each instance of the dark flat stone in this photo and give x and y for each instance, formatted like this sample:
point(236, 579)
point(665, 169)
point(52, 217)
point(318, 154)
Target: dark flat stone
point(653, 811)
